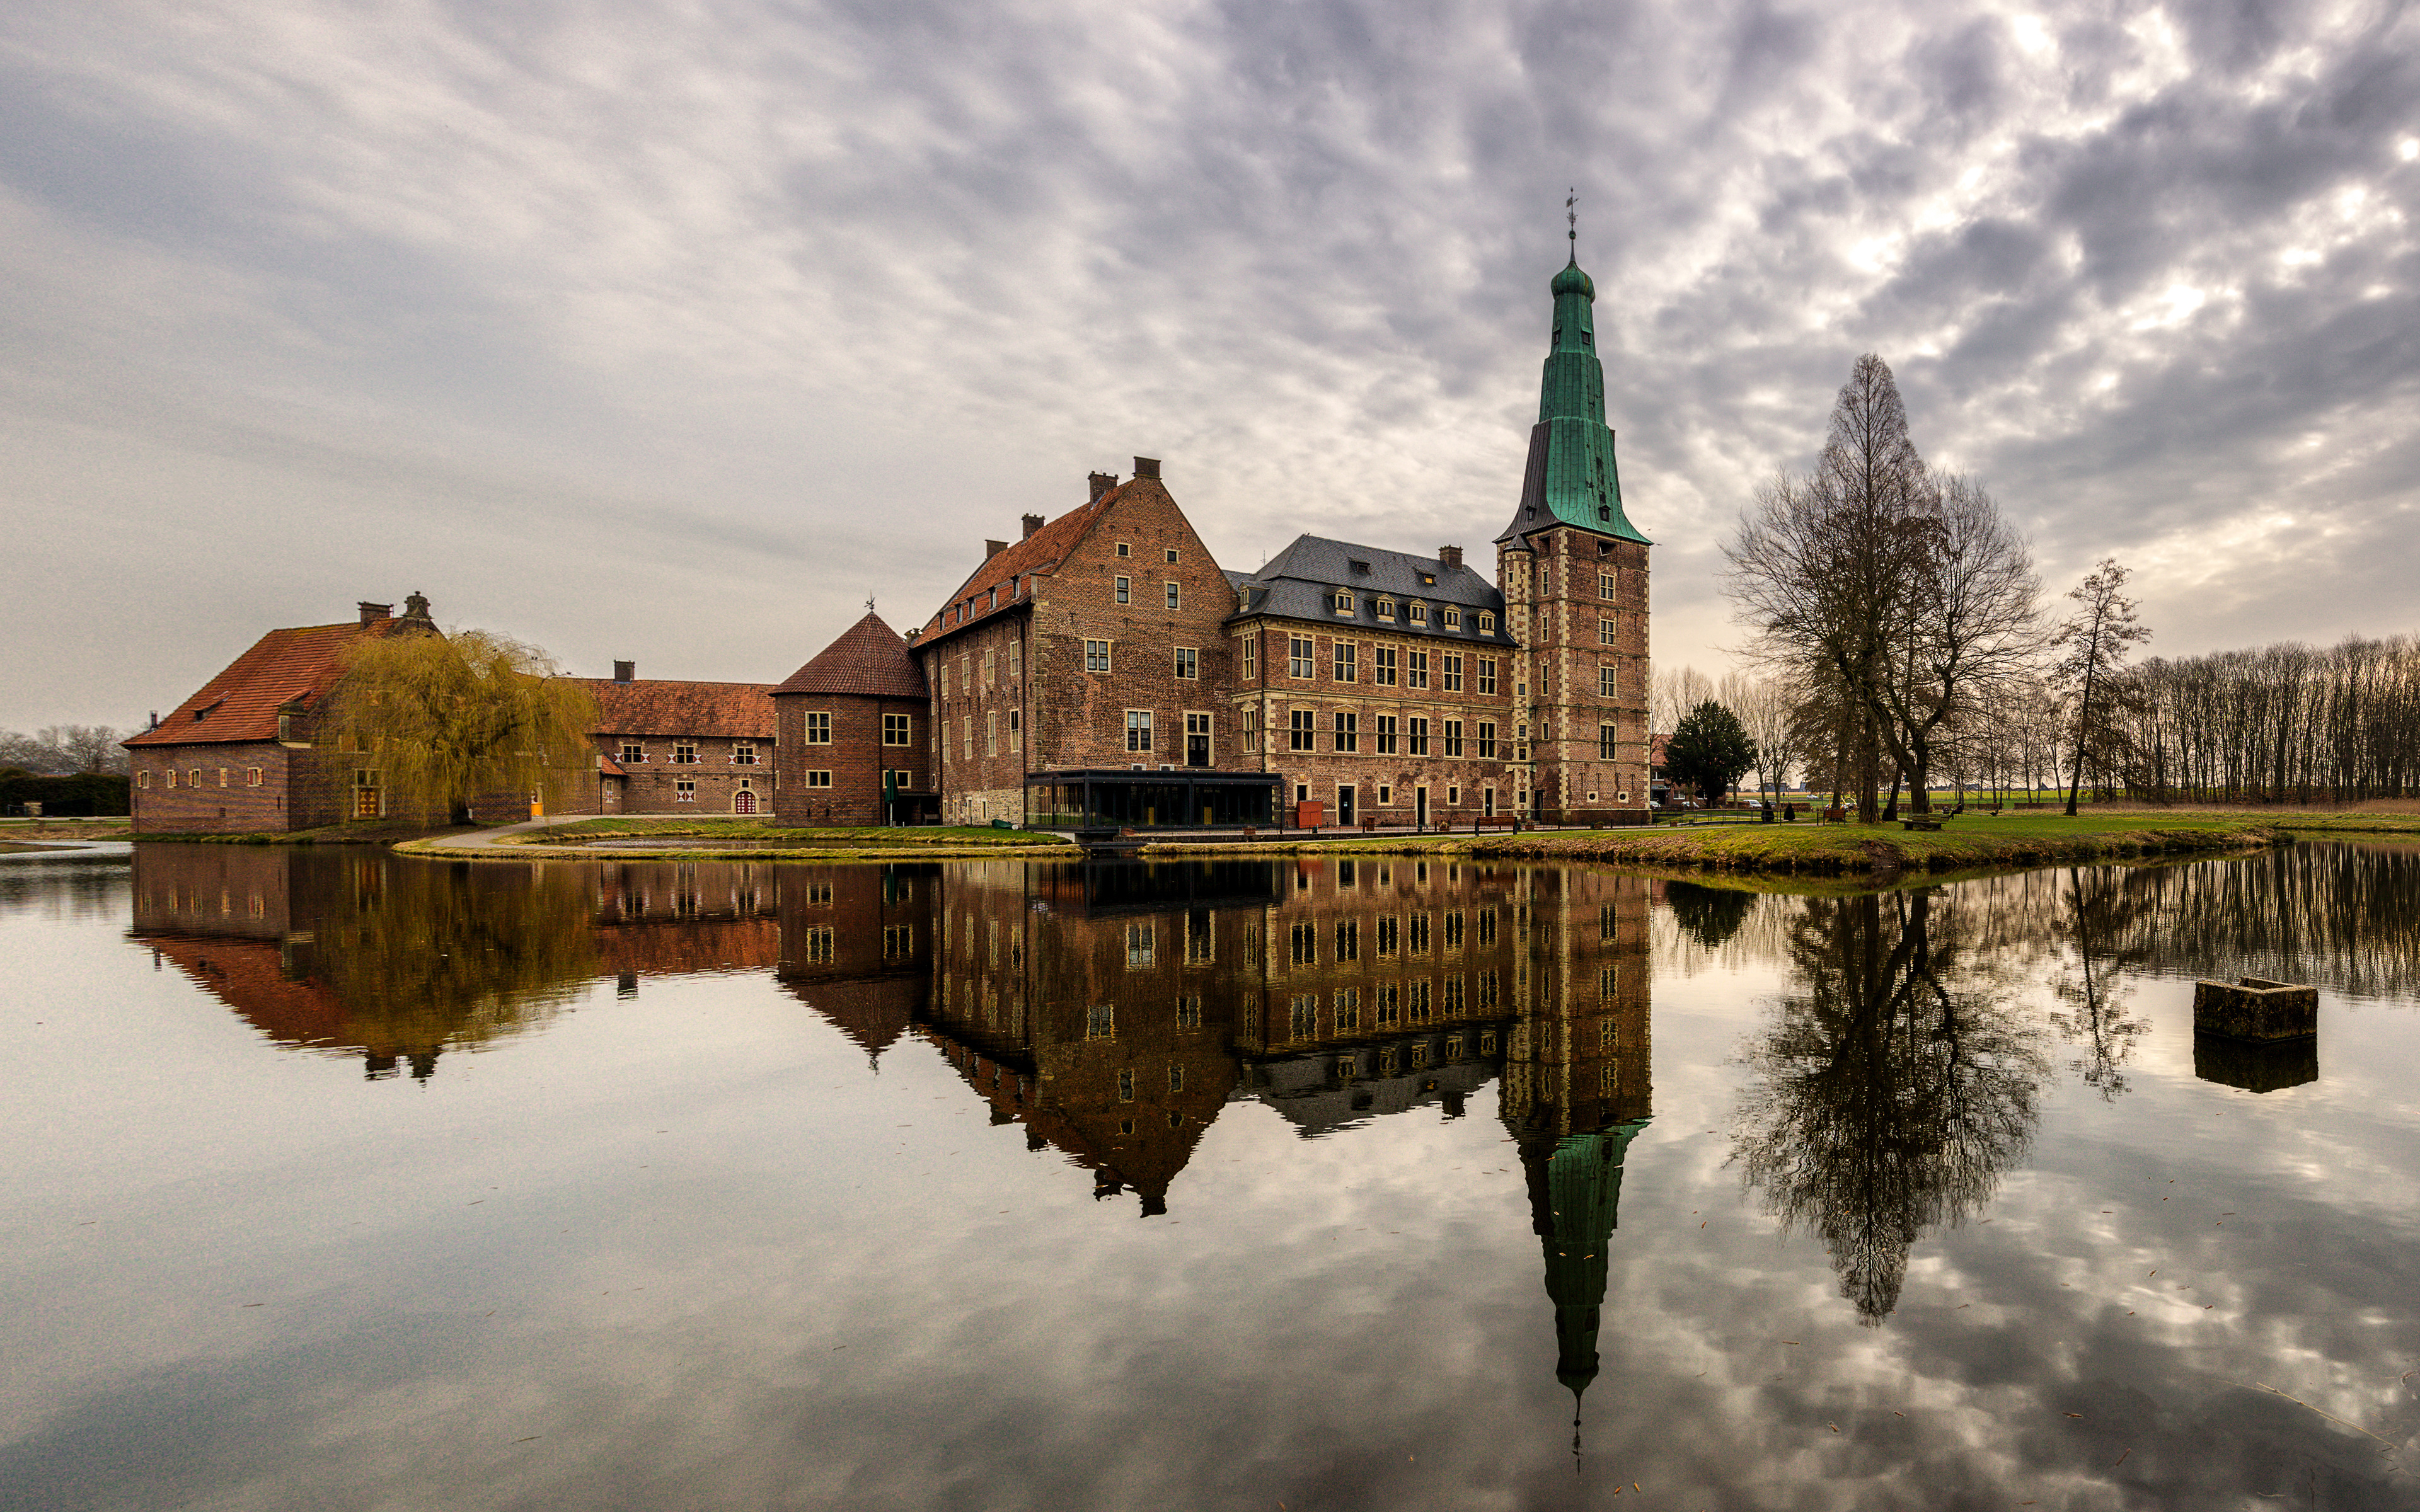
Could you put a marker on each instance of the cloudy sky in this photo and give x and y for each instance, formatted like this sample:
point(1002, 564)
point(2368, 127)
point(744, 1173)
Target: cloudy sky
point(674, 331)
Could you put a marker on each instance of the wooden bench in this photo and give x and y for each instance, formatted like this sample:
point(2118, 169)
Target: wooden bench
point(1512, 822)
point(1921, 820)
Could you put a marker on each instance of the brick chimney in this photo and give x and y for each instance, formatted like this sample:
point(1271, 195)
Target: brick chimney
point(1449, 555)
point(1146, 466)
point(1032, 523)
point(1102, 483)
point(993, 548)
point(372, 614)
point(626, 671)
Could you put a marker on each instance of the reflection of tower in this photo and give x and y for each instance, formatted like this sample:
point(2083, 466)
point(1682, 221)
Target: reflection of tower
point(1575, 1207)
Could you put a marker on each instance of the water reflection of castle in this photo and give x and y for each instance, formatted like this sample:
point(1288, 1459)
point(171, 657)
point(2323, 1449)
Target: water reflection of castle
point(1113, 1010)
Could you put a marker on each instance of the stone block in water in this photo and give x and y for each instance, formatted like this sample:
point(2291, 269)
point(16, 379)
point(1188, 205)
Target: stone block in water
point(2256, 1009)
point(2256, 1066)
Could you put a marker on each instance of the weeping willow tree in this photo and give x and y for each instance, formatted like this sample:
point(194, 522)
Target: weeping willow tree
point(447, 719)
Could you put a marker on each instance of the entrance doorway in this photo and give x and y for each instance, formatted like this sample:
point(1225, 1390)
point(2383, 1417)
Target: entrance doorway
point(1420, 807)
point(744, 801)
point(1343, 803)
point(1196, 740)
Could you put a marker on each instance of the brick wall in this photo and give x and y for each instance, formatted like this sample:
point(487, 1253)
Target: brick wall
point(653, 785)
point(225, 802)
point(979, 731)
point(855, 757)
point(1555, 601)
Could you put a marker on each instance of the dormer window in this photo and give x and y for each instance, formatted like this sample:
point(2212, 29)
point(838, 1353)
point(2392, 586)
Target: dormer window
point(1386, 609)
point(1343, 602)
point(1486, 623)
point(1416, 613)
point(1361, 568)
point(1450, 617)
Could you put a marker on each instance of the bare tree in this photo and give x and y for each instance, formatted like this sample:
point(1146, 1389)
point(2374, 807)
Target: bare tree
point(1768, 708)
point(2094, 640)
point(1672, 692)
point(85, 748)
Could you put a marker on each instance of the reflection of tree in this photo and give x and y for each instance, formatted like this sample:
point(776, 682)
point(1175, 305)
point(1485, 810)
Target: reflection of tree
point(2104, 909)
point(1893, 1088)
point(1711, 916)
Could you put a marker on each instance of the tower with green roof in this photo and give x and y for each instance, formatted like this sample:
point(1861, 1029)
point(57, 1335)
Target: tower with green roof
point(1574, 572)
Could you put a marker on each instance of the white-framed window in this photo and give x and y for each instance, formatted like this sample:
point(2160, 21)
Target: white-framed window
point(1452, 673)
point(194, 778)
point(744, 753)
point(1126, 548)
point(1300, 734)
point(1605, 633)
point(1097, 655)
point(1415, 736)
point(895, 730)
point(1605, 742)
point(1252, 730)
point(818, 729)
point(143, 778)
point(1386, 742)
point(1101, 1022)
point(1171, 554)
point(1385, 672)
point(1140, 945)
point(633, 753)
point(1607, 682)
point(1453, 742)
point(1604, 585)
point(1453, 800)
point(819, 779)
point(685, 790)
point(1299, 658)
point(1416, 669)
point(1188, 662)
point(1486, 671)
point(223, 776)
point(684, 753)
point(1251, 648)
point(253, 777)
point(1386, 795)
point(1124, 592)
point(1176, 596)
point(991, 732)
point(1138, 730)
point(1016, 731)
point(1486, 734)
point(1347, 666)
point(1348, 731)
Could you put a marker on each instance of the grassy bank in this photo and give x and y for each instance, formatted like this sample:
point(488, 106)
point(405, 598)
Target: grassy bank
point(1969, 842)
point(745, 839)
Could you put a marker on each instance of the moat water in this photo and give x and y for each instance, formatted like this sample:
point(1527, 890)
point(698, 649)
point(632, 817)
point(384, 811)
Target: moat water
point(341, 1180)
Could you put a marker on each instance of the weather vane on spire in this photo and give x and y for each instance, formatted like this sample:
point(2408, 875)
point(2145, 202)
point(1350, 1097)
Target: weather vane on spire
point(1572, 214)
point(869, 603)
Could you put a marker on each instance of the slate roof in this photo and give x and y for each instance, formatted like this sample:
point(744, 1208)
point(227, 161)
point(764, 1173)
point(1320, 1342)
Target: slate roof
point(667, 706)
point(1297, 583)
point(297, 665)
point(869, 660)
point(1003, 584)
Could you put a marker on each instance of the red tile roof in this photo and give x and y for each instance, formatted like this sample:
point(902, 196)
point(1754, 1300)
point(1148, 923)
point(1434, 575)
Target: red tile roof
point(869, 658)
point(1008, 574)
point(667, 706)
point(281, 667)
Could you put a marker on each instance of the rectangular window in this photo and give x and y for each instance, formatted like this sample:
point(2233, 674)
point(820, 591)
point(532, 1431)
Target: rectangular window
point(1606, 684)
point(1452, 1005)
point(1097, 655)
point(1348, 732)
point(991, 732)
point(1604, 742)
point(1416, 613)
point(1196, 740)
point(1389, 934)
point(1303, 1021)
point(1452, 673)
point(1101, 1022)
point(1486, 670)
point(1386, 796)
point(1386, 609)
point(1454, 930)
point(1175, 596)
point(1140, 942)
point(898, 940)
point(1125, 591)
point(1486, 623)
point(1604, 585)
point(685, 753)
point(685, 790)
point(1188, 662)
point(895, 730)
point(967, 738)
point(1486, 927)
point(1298, 660)
point(743, 754)
point(1348, 1009)
point(1388, 1001)
point(1300, 733)
point(1453, 739)
point(1451, 617)
point(1302, 943)
point(223, 776)
point(1486, 740)
point(1454, 794)
point(1346, 670)
point(1415, 1003)
point(899, 779)
point(1251, 645)
point(1188, 1012)
point(1138, 730)
point(819, 943)
point(1342, 602)
point(1386, 736)
point(1416, 669)
point(1420, 934)
point(142, 779)
point(1418, 737)
point(818, 729)
point(1348, 939)
point(818, 779)
point(1386, 660)
point(252, 777)
point(1604, 632)
point(1252, 730)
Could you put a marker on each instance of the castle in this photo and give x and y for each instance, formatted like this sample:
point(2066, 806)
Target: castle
point(1101, 669)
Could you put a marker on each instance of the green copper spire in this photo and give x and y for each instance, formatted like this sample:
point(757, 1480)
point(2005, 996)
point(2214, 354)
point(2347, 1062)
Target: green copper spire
point(1572, 479)
point(1583, 1184)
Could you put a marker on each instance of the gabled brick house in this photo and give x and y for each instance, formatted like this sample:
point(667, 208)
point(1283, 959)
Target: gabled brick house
point(666, 745)
point(243, 755)
point(854, 737)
